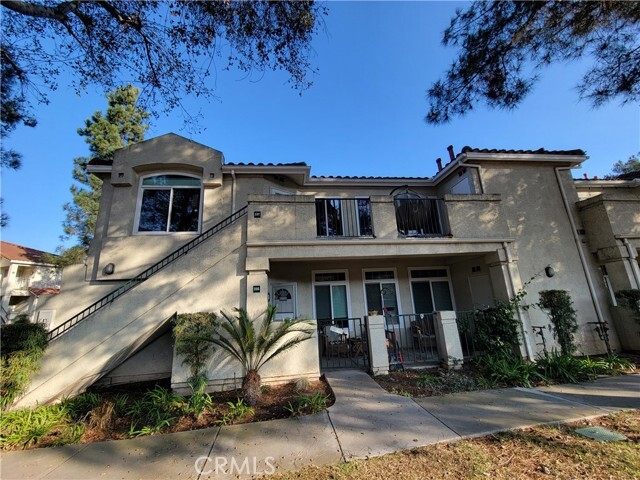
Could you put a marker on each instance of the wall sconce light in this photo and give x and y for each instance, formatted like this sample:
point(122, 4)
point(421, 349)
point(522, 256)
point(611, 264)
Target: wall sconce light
point(109, 269)
point(257, 214)
point(212, 175)
point(120, 175)
point(549, 271)
point(256, 289)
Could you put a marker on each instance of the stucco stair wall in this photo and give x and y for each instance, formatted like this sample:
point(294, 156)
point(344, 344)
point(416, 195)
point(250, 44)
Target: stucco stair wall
point(208, 278)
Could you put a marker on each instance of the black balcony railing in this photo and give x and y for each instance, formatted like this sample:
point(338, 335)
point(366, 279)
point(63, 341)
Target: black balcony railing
point(420, 217)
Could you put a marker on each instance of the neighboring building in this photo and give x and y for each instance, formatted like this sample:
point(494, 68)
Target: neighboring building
point(25, 281)
point(610, 214)
point(329, 248)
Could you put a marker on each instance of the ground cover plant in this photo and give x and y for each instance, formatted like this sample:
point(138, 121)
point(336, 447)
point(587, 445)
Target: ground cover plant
point(496, 372)
point(135, 411)
point(22, 345)
point(542, 452)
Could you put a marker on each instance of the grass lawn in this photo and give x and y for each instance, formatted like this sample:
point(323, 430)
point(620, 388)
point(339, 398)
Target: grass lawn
point(543, 452)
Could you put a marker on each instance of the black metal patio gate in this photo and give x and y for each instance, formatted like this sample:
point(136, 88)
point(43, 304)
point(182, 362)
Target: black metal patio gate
point(343, 343)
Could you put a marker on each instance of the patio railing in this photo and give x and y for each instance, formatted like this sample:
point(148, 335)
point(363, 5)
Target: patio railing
point(411, 340)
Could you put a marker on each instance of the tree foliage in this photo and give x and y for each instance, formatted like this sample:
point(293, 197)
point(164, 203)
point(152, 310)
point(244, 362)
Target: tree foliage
point(631, 165)
point(122, 124)
point(169, 48)
point(504, 46)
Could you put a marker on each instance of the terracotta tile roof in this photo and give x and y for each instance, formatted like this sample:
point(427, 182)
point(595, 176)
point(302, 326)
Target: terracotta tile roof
point(347, 177)
point(44, 291)
point(629, 176)
point(251, 164)
point(11, 251)
point(540, 151)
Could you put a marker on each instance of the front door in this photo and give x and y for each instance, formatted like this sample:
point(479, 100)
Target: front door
point(283, 297)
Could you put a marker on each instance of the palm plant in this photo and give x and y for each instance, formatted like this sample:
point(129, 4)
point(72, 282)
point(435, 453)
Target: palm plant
point(254, 348)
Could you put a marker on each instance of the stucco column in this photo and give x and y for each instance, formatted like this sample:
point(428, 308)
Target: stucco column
point(506, 282)
point(378, 355)
point(257, 292)
point(9, 285)
point(448, 338)
point(257, 285)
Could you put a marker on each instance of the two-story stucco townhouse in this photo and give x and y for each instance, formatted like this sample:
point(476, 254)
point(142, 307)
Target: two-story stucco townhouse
point(181, 230)
point(26, 280)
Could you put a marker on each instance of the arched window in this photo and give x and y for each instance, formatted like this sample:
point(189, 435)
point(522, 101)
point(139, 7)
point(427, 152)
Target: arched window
point(169, 203)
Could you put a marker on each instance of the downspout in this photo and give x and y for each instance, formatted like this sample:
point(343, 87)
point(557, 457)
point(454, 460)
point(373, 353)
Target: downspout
point(525, 336)
point(632, 261)
point(576, 238)
point(233, 191)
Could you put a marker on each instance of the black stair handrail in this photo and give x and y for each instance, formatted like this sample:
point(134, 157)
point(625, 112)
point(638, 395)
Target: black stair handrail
point(134, 282)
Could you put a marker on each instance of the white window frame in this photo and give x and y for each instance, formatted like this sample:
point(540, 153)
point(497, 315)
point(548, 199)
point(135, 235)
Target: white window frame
point(141, 188)
point(395, 280)
point(344, 282)
point(431, 279)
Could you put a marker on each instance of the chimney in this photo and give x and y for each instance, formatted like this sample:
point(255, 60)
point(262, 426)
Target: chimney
point(439, 163)
point(452, 157)
point(586, 177)
point(596, 177)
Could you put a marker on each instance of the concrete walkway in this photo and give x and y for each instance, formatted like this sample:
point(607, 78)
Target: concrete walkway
point(365, 421)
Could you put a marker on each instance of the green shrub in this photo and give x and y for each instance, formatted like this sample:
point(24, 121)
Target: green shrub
point(497, 330)
point(80, 406)
point(561, 368)
point(27, 427)
point(155, 410)
point(563, 318)
point(22, 336)
point(236, 411)
point(313, 403)
point(631, 300)
point(513, 372)
point(193, 333)
point(22, 347)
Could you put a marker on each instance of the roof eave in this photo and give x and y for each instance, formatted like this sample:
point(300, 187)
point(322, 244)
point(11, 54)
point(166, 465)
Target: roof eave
point(571, 160)
point(99, 168)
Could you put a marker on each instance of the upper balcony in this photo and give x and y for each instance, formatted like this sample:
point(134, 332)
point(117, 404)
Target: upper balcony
point(294, 219)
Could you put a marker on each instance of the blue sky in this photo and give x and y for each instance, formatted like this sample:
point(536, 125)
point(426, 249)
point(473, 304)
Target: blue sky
point(364, 115)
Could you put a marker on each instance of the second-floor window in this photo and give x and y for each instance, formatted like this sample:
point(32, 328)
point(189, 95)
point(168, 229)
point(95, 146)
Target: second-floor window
point(343, 217)
point(169, 203)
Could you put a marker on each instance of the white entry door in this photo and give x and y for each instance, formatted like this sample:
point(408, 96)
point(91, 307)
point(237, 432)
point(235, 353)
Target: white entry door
point(283, 297)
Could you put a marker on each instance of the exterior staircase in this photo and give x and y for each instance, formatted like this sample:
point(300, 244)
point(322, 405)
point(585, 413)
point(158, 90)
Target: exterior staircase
point(105, 334)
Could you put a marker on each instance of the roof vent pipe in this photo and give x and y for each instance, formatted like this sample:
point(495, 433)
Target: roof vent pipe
point(439, 163)
point(586, 176)
point(452, 157)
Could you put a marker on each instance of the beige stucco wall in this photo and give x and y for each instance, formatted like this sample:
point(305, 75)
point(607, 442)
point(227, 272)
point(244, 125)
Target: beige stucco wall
point(115, 241)
point(152, 362)
point(207, 279)
point(76, 293)
point(533, 205)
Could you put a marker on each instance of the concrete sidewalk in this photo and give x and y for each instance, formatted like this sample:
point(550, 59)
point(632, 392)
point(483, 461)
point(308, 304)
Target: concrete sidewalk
point(365, 421)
